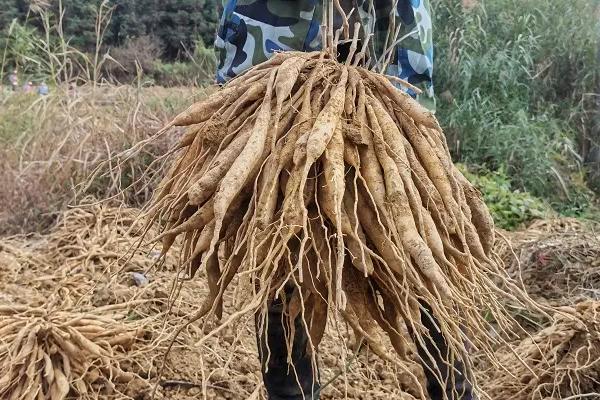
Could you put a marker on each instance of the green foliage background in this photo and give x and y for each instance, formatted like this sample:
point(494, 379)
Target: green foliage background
point(178, 24)
point(519, 81)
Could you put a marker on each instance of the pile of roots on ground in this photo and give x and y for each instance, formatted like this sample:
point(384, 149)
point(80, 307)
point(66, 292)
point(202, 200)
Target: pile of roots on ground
point(88, 244)
point(322, 182)
point(47, 354)
point(559, 362)
point(79, 255)
point(566, 250)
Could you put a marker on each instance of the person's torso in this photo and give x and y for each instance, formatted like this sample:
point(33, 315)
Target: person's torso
point(251, 31)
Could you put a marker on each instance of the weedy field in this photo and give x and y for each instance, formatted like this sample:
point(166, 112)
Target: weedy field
point(50, 146)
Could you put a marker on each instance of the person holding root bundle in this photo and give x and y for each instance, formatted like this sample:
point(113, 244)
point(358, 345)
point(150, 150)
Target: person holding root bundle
point(318, 188)
point(252, 31)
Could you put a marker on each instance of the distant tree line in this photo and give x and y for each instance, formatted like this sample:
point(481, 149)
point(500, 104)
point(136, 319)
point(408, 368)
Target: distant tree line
point(175, 24)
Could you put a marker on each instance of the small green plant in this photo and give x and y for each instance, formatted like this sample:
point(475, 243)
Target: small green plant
point(40, 51)
point(510, 208)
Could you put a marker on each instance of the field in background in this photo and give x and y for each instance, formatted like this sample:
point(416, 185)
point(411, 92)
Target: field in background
point(517, 95)
point(49, 147)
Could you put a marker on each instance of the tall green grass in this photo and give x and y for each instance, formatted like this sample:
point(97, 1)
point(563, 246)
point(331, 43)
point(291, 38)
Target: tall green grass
point(518, 80)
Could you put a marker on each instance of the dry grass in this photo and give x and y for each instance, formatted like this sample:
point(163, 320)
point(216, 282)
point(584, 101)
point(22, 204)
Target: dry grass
point(50, 145)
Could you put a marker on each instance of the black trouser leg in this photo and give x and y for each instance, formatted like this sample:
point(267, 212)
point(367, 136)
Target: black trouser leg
point(283, 381)
point(299, 381)
point(434, 353)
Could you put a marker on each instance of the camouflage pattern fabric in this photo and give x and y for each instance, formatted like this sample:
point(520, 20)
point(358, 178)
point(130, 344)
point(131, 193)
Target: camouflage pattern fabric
point(250, 31)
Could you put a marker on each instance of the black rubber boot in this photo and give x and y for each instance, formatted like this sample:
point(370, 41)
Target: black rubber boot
point(436, 369)
point(283, 381)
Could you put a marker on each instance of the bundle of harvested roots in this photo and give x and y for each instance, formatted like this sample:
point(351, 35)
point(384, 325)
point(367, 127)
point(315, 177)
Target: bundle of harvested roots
point(47, 355)
point(559, 362)
point(324, 177)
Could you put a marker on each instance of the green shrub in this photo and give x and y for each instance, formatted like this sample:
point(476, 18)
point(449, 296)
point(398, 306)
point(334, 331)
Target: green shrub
point(198, 70)
point(21, 48)
point(510, 208)
point(514, 74)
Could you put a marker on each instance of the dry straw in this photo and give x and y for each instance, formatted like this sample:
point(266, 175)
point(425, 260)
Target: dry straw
point(566, 249)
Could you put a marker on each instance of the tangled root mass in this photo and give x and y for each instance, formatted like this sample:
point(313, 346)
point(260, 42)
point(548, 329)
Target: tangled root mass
point(324, 177)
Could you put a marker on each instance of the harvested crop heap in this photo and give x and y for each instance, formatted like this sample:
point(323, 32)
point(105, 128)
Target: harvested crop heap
point(323, 176)
point(48, 354)
point(561, 361)
point(565, 249)
point(87, 244)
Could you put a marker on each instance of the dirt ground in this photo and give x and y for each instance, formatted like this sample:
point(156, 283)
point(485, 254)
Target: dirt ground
point(90, 261)
point(83, 265)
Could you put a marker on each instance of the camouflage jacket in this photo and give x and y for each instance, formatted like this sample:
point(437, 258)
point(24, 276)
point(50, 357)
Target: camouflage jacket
point(251, 30)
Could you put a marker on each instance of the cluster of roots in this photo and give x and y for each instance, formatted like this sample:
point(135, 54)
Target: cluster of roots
point(324, 179)
point(83, 266)
point(86, 245)
point(48, 354)
point(559, 362)
point(65, 323)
